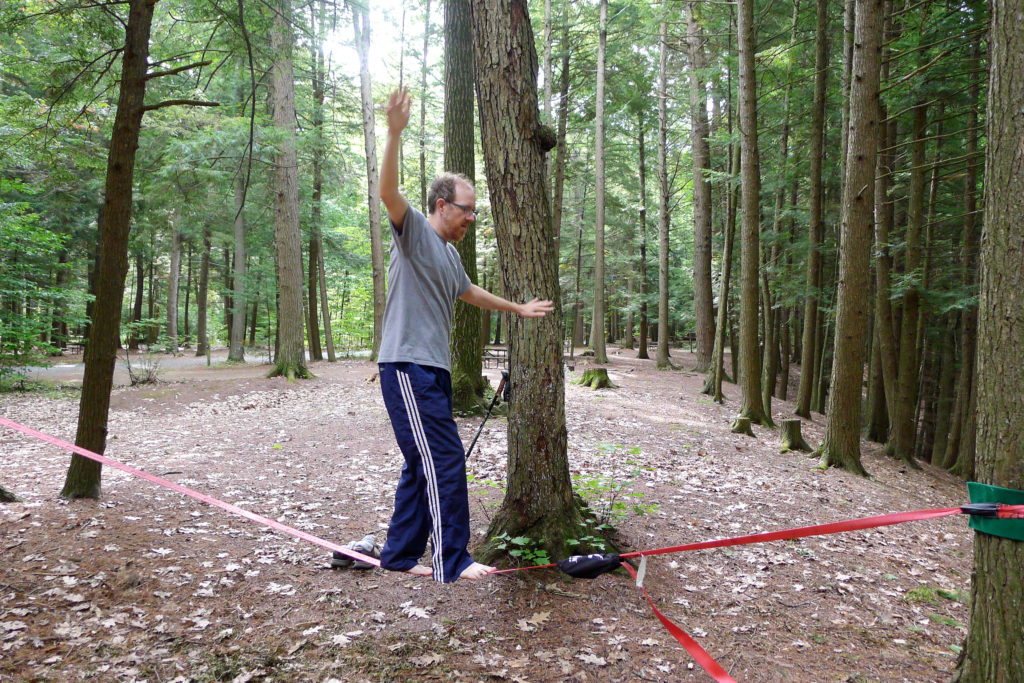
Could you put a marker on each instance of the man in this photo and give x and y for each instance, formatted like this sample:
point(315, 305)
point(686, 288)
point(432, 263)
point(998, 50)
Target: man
point(425, 277)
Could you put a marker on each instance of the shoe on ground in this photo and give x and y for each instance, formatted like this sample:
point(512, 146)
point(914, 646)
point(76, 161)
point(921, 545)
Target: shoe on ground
point(366, 546)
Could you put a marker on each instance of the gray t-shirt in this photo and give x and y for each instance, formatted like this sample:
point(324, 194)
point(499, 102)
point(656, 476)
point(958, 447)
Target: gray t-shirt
point(425, 277)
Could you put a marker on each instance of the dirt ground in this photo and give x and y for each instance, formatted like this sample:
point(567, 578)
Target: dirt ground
point(146, 584)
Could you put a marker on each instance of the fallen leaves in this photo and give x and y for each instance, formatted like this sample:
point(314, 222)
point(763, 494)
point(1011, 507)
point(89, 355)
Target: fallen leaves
point(534, 622)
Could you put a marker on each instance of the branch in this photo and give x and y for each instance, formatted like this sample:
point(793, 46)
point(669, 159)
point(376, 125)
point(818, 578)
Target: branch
point(178, 70)
point(172, 103)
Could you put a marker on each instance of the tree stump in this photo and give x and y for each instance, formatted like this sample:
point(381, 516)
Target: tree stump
point(742, 426)
point(596, 378)
point(791, 438)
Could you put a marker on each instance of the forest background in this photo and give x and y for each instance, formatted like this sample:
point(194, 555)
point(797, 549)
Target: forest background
point(250, 218)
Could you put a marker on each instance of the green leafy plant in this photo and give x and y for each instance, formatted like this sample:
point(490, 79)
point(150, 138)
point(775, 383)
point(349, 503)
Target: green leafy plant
point(589, 542)
point(524, 549)
point(923, 594)
point(609, 498)
point(944, 620)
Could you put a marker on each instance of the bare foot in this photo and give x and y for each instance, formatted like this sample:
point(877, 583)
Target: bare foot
point(476, 571)
point(420, 570)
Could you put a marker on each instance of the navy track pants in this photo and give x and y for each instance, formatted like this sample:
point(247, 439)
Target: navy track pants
point(432, 499)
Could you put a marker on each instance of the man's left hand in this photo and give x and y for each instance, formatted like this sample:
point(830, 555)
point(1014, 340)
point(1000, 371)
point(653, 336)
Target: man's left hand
point(535, 308)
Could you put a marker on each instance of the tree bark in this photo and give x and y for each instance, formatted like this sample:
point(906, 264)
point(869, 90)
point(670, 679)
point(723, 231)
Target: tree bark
point(664, 218)
point(83, 477)
point(841, 445)
point(290, 356)
point(597, 324)
point(202, 297)
point(904, 427)
point(703, 304)
point(994, 650)
point(750, 259)
point(236, 341)
point(538, 501)
point(962, 416)
point(641, 262)
point(173, 281)
point(466, 350)
point(713, 383)
point(361, 22)
point(423, 109)
point(884, 218)
point(816, 228)
point(140, 285)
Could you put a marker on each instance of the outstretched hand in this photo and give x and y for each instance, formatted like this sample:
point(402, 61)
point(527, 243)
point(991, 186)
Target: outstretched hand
point(535, 308)
point(399, 104)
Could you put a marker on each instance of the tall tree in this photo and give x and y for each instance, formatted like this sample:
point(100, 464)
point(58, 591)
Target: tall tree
point(466, 351)
point(290, 356)
point(83, 477)
point(597, 329)
point(423, 109)
point(750, 190)
point(809, 348)
point(538, 501)
point(703, 305)
point(841, 444)
point(236, 338)
point(884, 338)
point(994, 650)
point(904, 413)
point(361, 23)
point(664, 219)
point(317, 271)
point(173, 282)
point(960, 450)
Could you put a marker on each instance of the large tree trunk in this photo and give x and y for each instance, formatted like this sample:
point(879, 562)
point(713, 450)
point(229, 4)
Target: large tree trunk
point(558, 181)
point(597, 334)
point(664, 217)
point(962, 417)
point(361, 22)
point(994, 650)
point(713, 383)
point(173, 280)
point(816, 228)
point(904, 426)
point(290, 356)
point(750, 256)
point(202, 297)
point(83, 477)
point(423, 109)
point(466, 349)
point(885, 336)
point(135, 334)
point(841, 445)
point(320, 152)
point(703, 305)
point(236, 339)
point(538, 501)
point(641, 263)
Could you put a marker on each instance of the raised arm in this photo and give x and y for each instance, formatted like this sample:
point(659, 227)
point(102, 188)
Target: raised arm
point(398, 118)
point(481, 298)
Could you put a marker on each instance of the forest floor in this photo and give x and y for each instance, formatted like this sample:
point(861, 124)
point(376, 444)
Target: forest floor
point(145, 584)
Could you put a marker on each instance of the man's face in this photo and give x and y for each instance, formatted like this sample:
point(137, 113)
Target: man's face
point(458, 213)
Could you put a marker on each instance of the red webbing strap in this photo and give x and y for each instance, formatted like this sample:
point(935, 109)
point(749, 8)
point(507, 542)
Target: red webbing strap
point(698, 653)
point(801, 532)
point(209, 500)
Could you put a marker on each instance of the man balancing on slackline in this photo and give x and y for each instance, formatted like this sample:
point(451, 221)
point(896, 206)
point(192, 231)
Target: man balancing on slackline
point(425, 277)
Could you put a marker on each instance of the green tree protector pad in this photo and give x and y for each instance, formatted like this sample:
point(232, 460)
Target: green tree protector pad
point(1004, 528)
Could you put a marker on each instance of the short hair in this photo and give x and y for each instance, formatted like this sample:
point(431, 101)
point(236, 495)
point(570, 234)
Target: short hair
point(443, 187)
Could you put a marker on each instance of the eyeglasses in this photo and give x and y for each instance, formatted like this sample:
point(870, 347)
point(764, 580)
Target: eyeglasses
point(465, 209)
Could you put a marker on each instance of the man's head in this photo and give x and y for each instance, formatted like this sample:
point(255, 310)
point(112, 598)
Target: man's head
point(451, 203)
